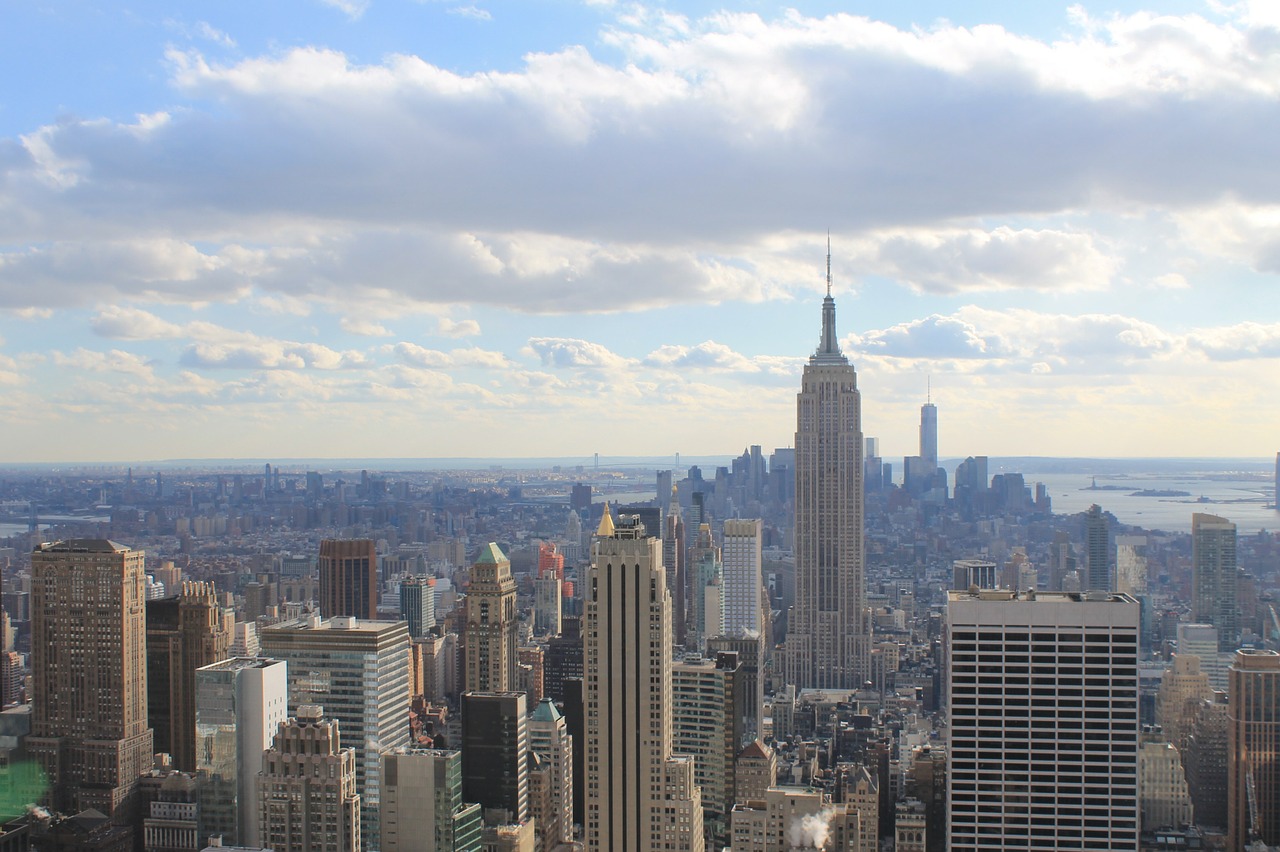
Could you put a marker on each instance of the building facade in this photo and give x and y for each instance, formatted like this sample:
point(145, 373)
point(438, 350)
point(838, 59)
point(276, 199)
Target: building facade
point(639, 796)
point(307, 799)
point(829, 636)
point(1253, 750)
point(240, 704)
point(741, 556)
point(422, 805)
point(186, 631)
point(1043, 703)
point(89, 729)
point(1214, 573)
point(358, 671)
point(348, 571)
point(491, 629)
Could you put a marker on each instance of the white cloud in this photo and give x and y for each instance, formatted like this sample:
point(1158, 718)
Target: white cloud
point(571, 353)
point(353, 9)
point(364, 327)
point(470, 11)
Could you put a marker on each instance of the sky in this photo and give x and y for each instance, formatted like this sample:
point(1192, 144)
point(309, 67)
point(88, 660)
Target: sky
point(505, 228)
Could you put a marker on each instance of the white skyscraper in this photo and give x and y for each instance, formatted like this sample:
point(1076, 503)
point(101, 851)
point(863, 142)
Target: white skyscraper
point(741, 558)
point(829, 636)
point(240, 704)
point(1043, 707)
point(639, 797)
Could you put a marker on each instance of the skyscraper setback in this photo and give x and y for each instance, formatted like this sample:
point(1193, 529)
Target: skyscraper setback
point(828, 640)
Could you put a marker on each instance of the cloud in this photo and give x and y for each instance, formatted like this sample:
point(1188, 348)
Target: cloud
point(270, 355)
point(571, 353)
point(910, 139)
point(116, 360)
point(364, 327)
point(1243, 341)
point(418, 356)
point(458, 328)
point(474, 12)
point(353, 9)
point(1000, 259)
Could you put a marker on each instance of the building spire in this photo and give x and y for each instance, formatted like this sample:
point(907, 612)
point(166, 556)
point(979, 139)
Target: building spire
point(829, 345)
point(828, 261)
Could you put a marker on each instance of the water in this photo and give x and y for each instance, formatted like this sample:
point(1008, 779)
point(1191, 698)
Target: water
point(1244, 499)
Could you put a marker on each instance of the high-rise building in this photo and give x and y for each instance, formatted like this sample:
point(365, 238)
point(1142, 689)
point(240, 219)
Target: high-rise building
point(929, 437)
point(307, 799)
point(422, 805)
point(358, 671)
point(750, 651)
point(89, 729)
point(674, 554)
point(549, 739)
point(741, 558)
point(1253, 750)
point(495, 753)
point(1182, 689)
point(240, 704)
point(639, 796)
point(828, 642)
point(1131, 564)
point(1162, 782)
point(1097, 552)
point(1043, 705)
point(1203, 641)
point(1214, 573)
point(418, 604)
point(709, 725)
point(189, 630)
point(490, 641)
point(1205, 759)
point(348, 578)
point(974, 572)
point(548, 589)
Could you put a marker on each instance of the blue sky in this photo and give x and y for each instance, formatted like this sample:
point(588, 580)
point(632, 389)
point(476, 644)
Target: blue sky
point(546, 227)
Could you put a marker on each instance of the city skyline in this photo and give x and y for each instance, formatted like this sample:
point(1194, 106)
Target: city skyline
point(370, 227)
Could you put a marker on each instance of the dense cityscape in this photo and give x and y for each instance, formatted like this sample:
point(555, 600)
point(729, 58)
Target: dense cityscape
point(812, 648)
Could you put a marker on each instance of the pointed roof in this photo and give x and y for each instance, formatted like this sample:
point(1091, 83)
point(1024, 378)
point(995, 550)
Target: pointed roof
point(491, 554)
point(546, 711)
point(756, 750)
point(606, 523)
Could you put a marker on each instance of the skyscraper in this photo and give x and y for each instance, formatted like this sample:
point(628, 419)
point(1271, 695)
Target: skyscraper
point(639, 796)
point(674, 553)
point(1043, 705)
point(184, 632)
point(359, 672)
point(1213, 571)
point(348, 578)
point(828, 639)
point(418, 604)
point(422, 804)
point(741, 558)
point(549, 739)
point(307, 799)
point(495, 752)
point(491, 624)
point(1253, 750)
point(1096, 550)
point(929, 437)
point(89, 676)
point(240, 704)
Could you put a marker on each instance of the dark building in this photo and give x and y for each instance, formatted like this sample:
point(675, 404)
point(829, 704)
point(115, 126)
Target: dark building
point(495, 752)
point(348, 578)
point(184, 633)
point(563, 659)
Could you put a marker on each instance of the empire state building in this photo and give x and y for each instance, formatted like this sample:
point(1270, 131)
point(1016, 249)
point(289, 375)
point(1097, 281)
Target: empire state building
point(828, 639)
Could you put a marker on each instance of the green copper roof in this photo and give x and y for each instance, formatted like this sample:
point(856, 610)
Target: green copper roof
point(546, 711)
point(490, 554)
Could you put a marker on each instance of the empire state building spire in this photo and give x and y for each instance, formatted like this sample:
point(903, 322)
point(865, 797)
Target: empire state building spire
point(829, 345)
